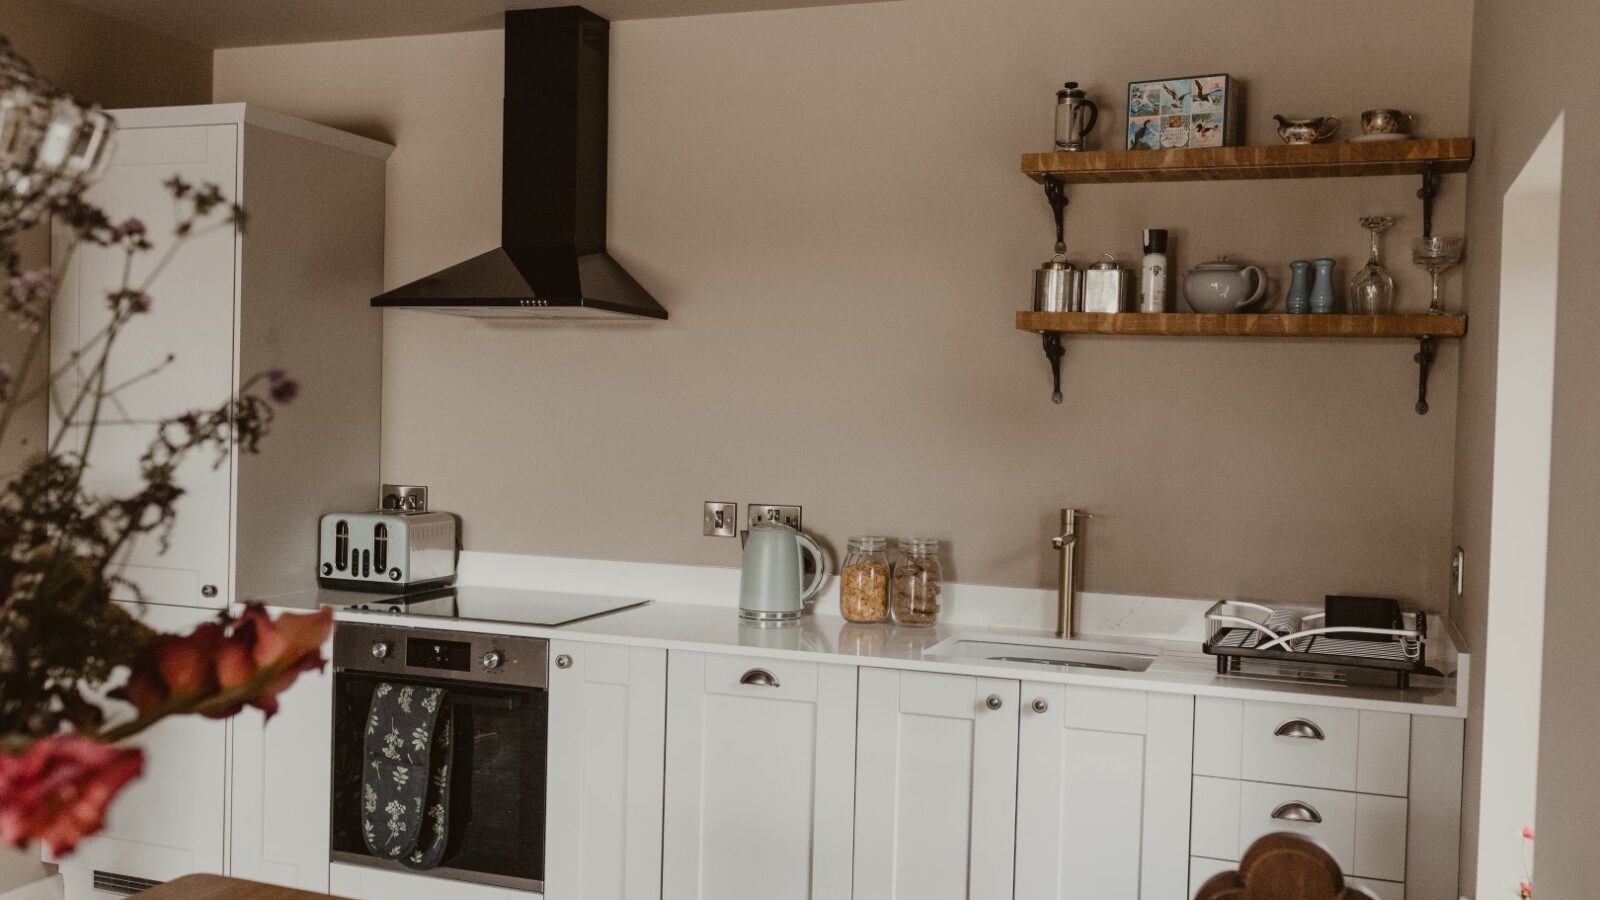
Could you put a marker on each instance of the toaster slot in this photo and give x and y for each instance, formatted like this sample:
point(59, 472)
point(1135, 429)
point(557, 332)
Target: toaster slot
point(380, 547)
point(341, 545)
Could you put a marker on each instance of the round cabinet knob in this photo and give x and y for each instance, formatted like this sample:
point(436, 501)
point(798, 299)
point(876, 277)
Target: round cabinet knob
point(994, 702)
point(380, 649)
point(1039, 705)
point(208, 591)
point(563, 661)
point(492, 659)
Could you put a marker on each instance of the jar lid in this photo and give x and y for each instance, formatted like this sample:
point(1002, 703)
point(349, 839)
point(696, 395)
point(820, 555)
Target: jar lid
point(1058, 263)
point(920, 546)
point(1107, 262)
point(868, 542)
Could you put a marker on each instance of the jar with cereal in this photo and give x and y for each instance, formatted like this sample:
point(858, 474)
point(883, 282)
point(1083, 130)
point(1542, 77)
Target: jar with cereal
point(864, 580)
point(917, 582)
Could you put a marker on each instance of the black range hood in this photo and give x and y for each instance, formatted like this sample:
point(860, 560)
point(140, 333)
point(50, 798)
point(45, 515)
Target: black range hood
point(552, 261)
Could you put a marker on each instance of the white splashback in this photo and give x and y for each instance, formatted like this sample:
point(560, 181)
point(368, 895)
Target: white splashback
point(1166, 618)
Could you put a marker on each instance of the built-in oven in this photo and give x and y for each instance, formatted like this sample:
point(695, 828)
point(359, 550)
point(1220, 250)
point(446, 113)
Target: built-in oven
point(497, 690)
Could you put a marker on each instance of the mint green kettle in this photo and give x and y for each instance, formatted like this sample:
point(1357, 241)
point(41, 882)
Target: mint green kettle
point(772, 585)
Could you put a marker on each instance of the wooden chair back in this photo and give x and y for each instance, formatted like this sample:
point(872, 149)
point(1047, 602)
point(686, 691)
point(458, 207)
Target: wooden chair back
point(1282, 866)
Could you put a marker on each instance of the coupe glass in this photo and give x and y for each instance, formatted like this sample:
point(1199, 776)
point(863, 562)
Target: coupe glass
point(1372, 288)
point(1437, 254)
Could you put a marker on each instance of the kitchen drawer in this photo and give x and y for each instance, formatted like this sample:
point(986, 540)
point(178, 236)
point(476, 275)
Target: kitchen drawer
point(760, 676)
point(1365, 833)
point(1201, 869)
point(1313, 746)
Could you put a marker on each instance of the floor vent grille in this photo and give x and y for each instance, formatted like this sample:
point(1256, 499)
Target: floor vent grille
point(125, 885)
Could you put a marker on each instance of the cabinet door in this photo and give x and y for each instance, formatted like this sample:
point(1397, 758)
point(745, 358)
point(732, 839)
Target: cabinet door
point(1103, 782)
point(281, 784)
point(760, 775)
point(936, 787)
point(191, 318)
point(607, 743)
point(170, 821)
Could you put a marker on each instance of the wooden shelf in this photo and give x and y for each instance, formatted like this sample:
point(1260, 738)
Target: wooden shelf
point(1336, 160)
point(1245, 325)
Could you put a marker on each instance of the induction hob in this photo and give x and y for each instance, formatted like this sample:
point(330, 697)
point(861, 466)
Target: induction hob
point(486, 604)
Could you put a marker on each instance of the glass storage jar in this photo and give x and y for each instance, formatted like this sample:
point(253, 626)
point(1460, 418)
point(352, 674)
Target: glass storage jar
point(864, 580)
point(917, 582)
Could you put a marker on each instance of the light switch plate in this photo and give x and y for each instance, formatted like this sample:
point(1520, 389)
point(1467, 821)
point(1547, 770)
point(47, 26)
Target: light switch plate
point(765, 512)
point(720, 519)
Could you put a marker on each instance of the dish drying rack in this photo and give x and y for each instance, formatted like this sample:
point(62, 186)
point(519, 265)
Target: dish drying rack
point(1240, 630)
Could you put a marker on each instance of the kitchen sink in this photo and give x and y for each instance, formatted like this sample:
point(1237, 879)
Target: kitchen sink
point(1043, 653)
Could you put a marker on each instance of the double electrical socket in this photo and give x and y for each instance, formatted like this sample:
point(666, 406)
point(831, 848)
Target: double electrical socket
point(722, 519)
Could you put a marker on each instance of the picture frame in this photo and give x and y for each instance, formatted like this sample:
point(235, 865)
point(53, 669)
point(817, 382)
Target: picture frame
point(1182, 112)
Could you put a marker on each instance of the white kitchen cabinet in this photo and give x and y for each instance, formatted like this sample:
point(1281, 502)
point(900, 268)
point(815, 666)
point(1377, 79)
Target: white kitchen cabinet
point(607, 745)
point(292, 292)
point(760, 775)
point(280, 785)
point(936, 787)
point(1102, 793)
point(170, 821)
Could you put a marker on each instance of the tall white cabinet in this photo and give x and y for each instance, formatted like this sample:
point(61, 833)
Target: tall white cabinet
point(603, 803)
point(760, 773)
point(279, 784)
point(291, 292)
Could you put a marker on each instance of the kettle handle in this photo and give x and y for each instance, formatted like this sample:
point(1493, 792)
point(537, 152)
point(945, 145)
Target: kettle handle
point(819, 572)
point(1260, 291)
point(1094, 116)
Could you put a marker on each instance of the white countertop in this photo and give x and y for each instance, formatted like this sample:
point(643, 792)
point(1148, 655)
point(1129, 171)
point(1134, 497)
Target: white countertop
point(1179, 667)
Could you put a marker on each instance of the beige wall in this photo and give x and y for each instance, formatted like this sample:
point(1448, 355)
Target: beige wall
point(1519, 51)
point(827, 201)
point(113, 64)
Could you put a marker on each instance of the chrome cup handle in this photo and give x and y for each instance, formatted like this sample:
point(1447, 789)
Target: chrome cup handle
point(1304, 729)
point(1295, 811)
point(759, 676)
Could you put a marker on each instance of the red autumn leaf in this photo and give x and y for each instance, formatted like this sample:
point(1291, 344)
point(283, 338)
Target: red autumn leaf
point(57, 790)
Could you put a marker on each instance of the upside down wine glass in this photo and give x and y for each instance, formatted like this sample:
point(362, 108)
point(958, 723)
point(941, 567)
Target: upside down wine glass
point(1372, 288)
point(1437, 254)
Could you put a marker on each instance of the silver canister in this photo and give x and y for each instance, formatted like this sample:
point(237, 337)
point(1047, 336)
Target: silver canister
point(1058, 286)
point(1105, 286)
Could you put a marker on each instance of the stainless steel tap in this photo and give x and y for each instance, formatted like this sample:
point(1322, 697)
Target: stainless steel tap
point(1067, 588)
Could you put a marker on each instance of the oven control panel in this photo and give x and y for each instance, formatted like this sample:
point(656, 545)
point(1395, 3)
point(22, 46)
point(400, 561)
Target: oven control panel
point(432, 653)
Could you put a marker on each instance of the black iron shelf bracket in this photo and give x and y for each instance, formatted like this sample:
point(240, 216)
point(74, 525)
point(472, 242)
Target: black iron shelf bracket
point(1053, 351)
point(1424, 360)
point(1429, 190)
point(1055, 191)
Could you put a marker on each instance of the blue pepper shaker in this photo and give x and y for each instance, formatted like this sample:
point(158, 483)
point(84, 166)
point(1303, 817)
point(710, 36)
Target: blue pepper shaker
point(1299, 299)
point(1322, 300)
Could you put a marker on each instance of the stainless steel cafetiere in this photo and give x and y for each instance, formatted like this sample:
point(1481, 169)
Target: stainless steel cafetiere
point(1075, 117)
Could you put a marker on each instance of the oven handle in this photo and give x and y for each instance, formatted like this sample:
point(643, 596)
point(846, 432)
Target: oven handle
point(483, 702)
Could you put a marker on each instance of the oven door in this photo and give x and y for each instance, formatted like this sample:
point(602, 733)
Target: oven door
point(497, 794)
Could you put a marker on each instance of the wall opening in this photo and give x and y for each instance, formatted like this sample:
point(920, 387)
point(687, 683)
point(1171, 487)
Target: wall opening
point(1519, 528)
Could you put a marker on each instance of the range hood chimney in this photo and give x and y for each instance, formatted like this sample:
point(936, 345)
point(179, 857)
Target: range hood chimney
point(552, 261)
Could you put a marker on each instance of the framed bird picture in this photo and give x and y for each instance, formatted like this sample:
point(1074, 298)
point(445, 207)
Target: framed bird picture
point(1174, 113)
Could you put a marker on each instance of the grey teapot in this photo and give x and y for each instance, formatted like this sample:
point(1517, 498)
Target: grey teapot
point(1224, 287)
